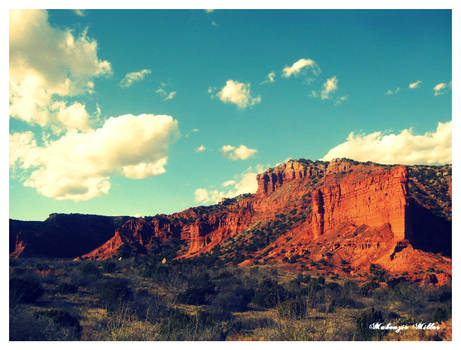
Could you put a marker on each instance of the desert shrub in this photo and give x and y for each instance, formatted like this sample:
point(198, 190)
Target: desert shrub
point(67, 288)
point(63, 319)
point(26, 325)
point(349, 303)
point(155, 270)
point(113, 292)
point(292, 309)
point(80, 279)
point(378, 272)
point(363, 322)
point(269, 294)
point(368, 288)
point(109, 266)
point(148, 307)
point(193, 296)
point(235, 299)
point(440, 314)
point(441, 294)
point(350, 287)
point(89, 268)
point(181, 326)
point(25, 289)
point(200, 290)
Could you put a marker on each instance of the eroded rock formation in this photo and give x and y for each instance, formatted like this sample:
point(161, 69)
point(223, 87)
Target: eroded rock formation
point(345, 214)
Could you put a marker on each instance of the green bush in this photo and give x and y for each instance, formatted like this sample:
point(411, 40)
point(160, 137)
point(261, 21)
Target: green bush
point(193, 296)
point(269, 294)
point(292, 309)
point(113, 292)
point(148, 307)
point(25, 290)
point(26, 325)
point(235, 299)
point(63, 319)
point(89, 268)
point(363, 322)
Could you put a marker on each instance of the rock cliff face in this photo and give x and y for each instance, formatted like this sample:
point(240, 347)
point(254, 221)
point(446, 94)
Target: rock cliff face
point(376, 200)
point(339, 216)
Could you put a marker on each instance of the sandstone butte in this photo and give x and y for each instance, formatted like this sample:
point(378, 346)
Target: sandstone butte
point(338, 217)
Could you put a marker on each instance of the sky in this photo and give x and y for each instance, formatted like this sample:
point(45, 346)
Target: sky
point(140, 112)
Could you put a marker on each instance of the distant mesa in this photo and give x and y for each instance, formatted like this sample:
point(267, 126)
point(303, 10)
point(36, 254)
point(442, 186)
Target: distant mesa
point(338, 217)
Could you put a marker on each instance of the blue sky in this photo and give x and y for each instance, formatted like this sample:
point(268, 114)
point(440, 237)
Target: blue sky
point(253, 88)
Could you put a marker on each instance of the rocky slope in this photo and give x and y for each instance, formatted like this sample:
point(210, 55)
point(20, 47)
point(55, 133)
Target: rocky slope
point(337, 217)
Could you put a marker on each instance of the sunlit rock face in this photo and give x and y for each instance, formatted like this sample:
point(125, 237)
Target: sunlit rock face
point(345, 212)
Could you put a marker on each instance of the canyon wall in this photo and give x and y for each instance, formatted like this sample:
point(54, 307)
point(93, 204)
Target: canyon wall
point(341, 211)
point(377, 199)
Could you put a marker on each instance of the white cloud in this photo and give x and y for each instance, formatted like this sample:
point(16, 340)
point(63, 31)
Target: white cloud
point(228, 183)
point(441, 88)
point(203, 195)
point(78, 166)
point(241, 152)
point(236, 93)
point(48, 63)
point(73, 117)
point(167, 95)
point(299, 66)
point(393, 92)
point(145, 169)
point(246, 184)
point(329, 87)
point(131, 78)
point(415, 84)
point(404, 148)
point(270, 78)
point(80, 13)
point(201, 148)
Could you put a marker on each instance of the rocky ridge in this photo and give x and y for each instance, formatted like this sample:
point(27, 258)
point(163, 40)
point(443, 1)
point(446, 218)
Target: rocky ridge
point(338, 217)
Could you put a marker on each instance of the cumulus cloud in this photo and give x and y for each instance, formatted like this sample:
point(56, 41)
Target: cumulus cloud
point(234, 153)
point(441, 88)
point(301, 65)
point(236, 93)
point(78, 166)
point(393, 92)
point(73, 117)
point(200, 148)
point(404, 148)
point(415, 84)
point(48, 63)
point(202, 195)
point(244, 183)
point(131, 78)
